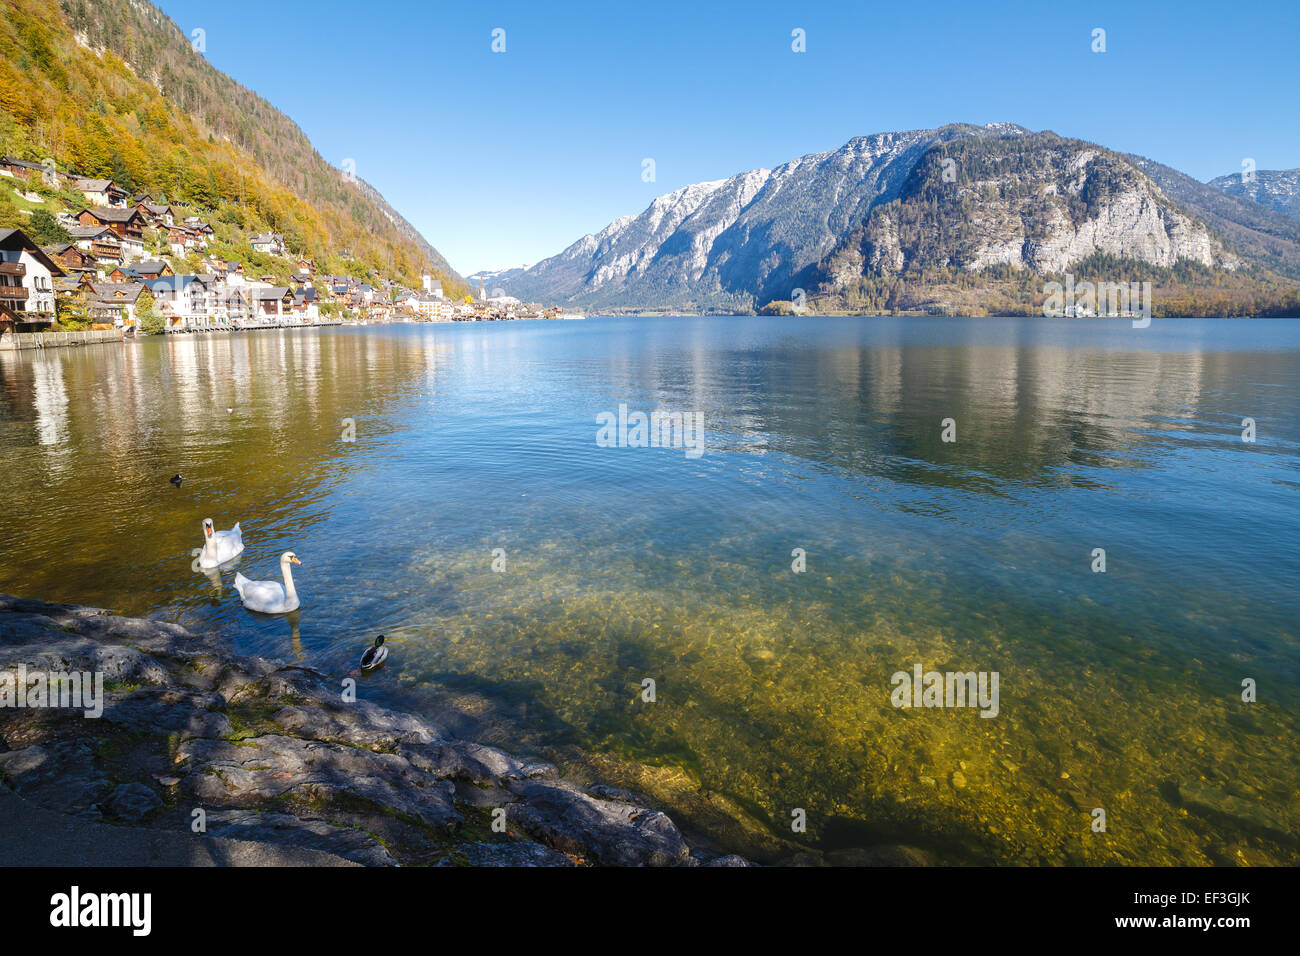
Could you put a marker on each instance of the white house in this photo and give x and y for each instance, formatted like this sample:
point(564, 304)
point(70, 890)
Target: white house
point(271, 243)
point(102, 192)
point(181, 239)
point(110, 301)
point(272, 301)
point(100, 241)
point(26, 279)
point(434, 307)
point(186, 299)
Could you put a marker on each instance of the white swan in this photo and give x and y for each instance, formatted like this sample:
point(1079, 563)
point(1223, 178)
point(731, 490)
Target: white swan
point(219, 546)
point(270, 597)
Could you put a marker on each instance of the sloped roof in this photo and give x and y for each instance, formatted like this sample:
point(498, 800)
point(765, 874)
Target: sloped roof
point(24, 163)
point(16, 239)
point(129, 291)
point(90, 232)
point(106, 214)
point(178, 283)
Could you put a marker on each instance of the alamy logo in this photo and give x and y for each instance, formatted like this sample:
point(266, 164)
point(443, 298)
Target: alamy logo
point(134, 910)
point(76, 690)
point(1130, 300)
point(659, 429)
point(922, 688)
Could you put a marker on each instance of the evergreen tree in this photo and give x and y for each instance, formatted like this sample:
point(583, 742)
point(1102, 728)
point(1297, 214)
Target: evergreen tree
point(44, 230)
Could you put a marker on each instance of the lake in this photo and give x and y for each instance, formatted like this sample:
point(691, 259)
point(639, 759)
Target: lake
point(444, 485)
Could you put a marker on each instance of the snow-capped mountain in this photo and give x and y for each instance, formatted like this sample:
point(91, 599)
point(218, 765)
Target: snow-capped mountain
point(492, 279)
point(961, 196)
point(723, 244)
point(917, 207)
point(1275, 188)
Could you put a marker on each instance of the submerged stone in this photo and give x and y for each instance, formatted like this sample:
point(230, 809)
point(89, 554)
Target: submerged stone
point(132, 802)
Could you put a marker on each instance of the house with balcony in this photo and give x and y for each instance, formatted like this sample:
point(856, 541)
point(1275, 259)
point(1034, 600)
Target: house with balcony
point(426, 305)
point(27, 277)
point(127, 224)
point(182, 239)
point(360, 295)
point(99, 241)
point(72, 259)
point(306, 304)
point(144, 269)
point(77, 285)
point(158, 215)
point(186, 301)
point(272, 302)
point(102, 192)
point(109, 303)
point(380, 309)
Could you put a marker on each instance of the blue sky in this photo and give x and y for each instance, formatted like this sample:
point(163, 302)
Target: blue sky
point(501, 158)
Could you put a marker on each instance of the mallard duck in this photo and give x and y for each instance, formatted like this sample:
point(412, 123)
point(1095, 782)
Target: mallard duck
point(375, 655)
point(219, 546)
point(270, 597)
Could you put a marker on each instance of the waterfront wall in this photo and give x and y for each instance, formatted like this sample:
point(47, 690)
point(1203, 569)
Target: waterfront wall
point(17, 341)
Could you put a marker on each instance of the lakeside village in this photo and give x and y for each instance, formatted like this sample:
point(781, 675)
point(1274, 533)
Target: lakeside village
point(133, 264)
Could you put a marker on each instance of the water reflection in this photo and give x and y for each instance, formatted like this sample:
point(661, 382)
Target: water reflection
point(1120, 689)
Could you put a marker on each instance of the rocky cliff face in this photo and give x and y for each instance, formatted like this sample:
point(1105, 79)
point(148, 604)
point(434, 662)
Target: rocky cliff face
point(967, 197)
point(1263, 236)
point(660, 255)
point(1033, 202)
point(727, 243)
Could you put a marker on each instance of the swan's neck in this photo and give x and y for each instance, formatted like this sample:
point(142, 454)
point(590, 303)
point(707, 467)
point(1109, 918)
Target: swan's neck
point(289, 593)
point(210, 545)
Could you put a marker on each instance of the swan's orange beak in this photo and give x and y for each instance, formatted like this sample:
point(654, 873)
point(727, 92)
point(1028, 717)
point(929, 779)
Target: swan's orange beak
point(295, 560)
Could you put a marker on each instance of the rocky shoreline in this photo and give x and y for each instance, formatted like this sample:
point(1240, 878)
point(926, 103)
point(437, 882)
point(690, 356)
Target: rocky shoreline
point(281, 766)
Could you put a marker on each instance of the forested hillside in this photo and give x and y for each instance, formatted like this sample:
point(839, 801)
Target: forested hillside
point(113, 88)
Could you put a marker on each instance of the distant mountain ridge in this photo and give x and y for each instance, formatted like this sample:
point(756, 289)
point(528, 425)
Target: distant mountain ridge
point(723, 244)
point(490, 280)
point(1275, 188)
point(920, 207)
point(1266, 237)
